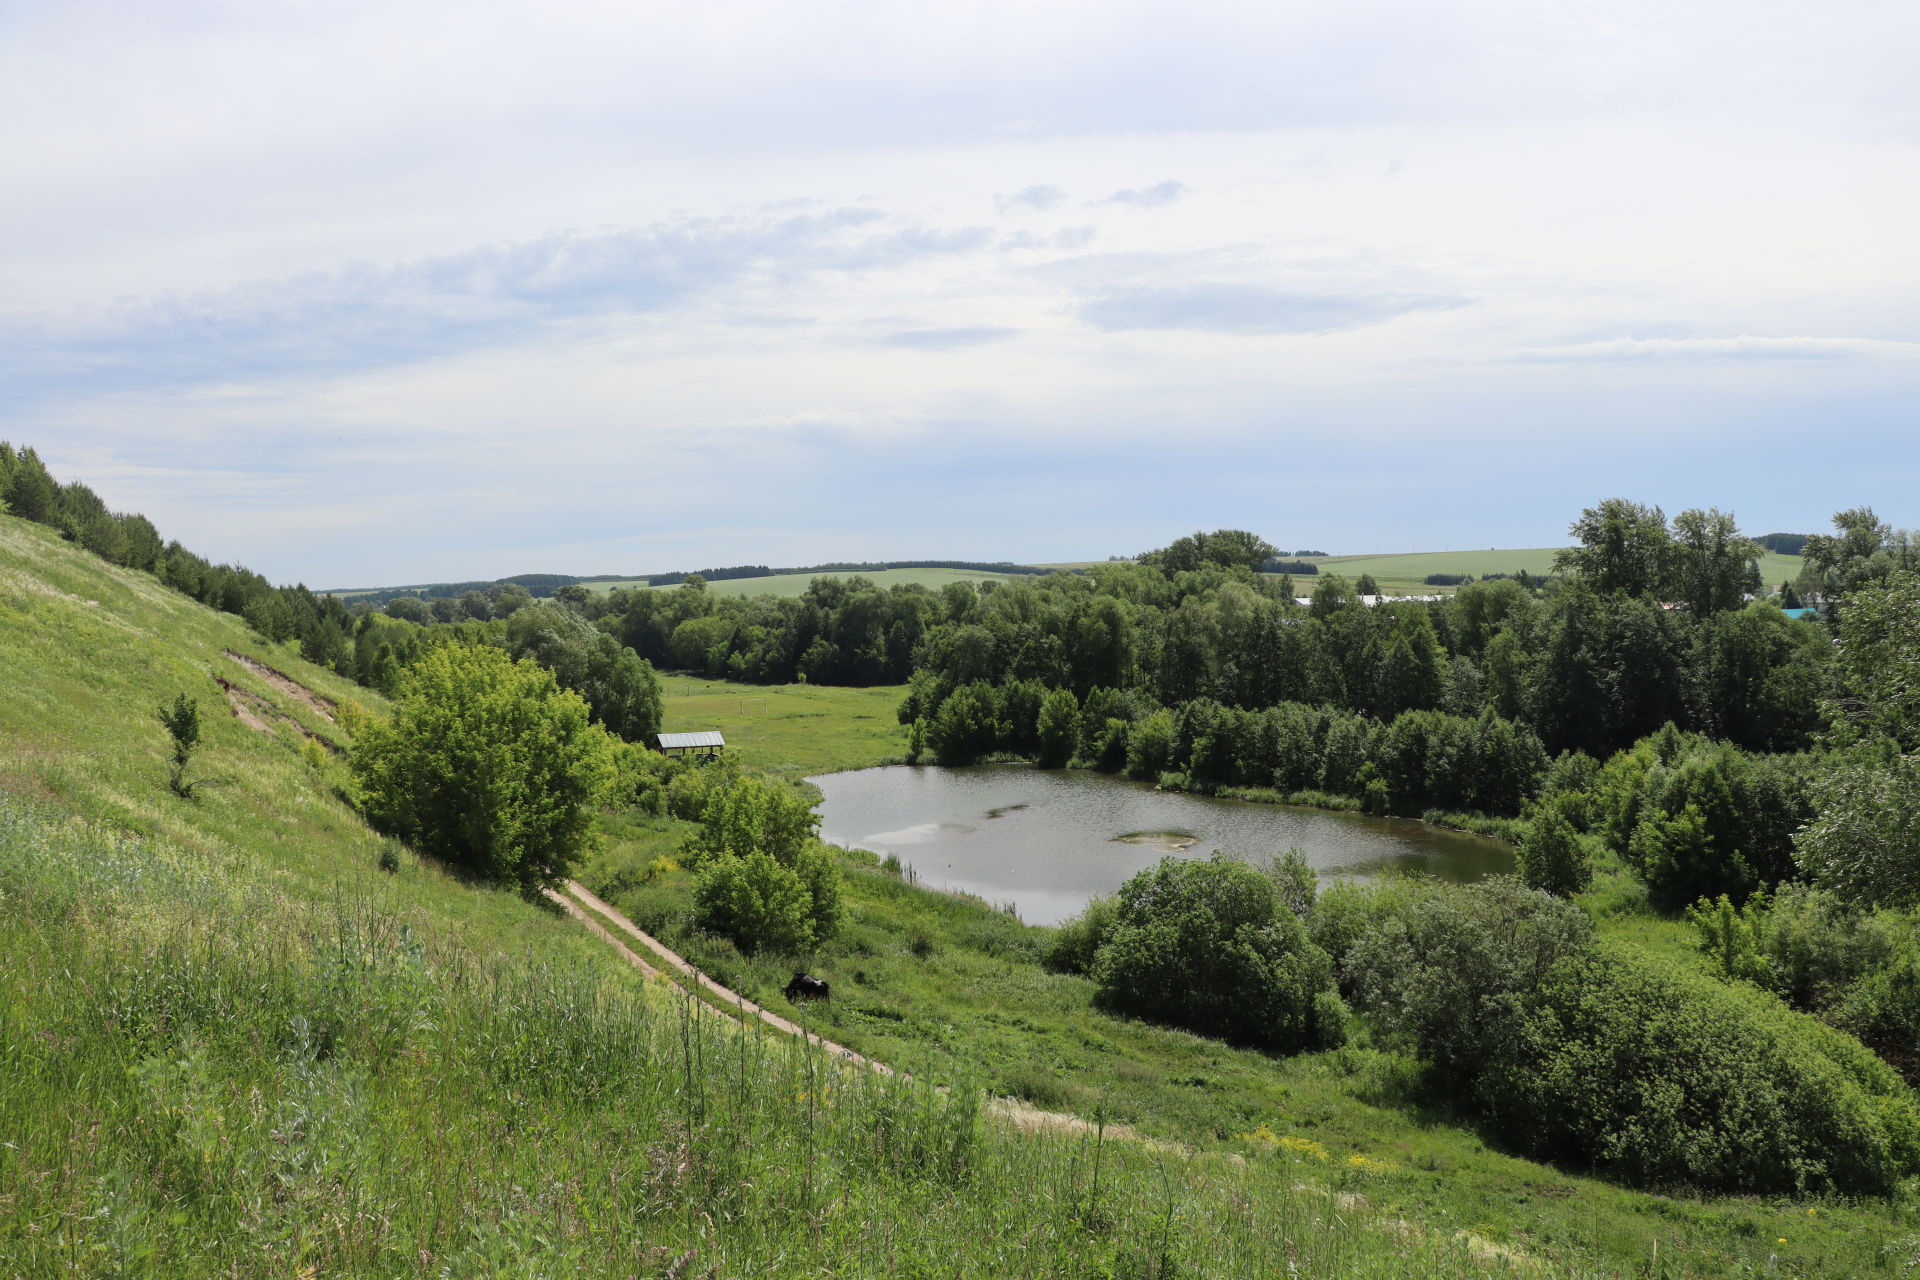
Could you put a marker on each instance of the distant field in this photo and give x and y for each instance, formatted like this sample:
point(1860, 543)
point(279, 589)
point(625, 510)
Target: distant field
point(1405, 573)
point(794, 584)
point(791, 729)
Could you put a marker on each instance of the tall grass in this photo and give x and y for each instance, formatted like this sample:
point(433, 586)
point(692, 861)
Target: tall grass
point(201, 1077)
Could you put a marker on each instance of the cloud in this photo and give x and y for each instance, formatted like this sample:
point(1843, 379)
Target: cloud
point(1156, 196)
point(1247, 309)
point(363, 316)
point(1037, 199)
point(947, 339)
point(1065, 238)
point(1740, 347)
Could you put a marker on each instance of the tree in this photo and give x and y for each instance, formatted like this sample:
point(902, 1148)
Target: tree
point(1057, 728)
point(1550, 856)
point(1330, 595)
point(1208, 946)
point(181, 719)
point(1860, 550)
point(1623, 547)
point(487, 763)
point(764, 881)
point(967, 725)
point(31, 493)
point(1713, 566)
point(1226, 548)
point(1864, 842)
point(1366, 586)
point(1879, 658)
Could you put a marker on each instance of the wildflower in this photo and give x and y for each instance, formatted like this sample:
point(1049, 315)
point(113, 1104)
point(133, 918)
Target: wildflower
point(1304, 1147)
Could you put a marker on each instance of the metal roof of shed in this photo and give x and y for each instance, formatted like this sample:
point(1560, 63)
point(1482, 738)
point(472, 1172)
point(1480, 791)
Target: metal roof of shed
point(703, 738)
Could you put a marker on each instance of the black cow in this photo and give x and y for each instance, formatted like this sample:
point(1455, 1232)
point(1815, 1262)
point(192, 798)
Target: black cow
point(807, 987)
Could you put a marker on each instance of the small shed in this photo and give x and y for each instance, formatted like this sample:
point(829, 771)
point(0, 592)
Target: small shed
point(704, 742)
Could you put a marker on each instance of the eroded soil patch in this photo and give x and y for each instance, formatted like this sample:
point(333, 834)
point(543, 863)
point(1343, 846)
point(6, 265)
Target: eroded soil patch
point(286, 684)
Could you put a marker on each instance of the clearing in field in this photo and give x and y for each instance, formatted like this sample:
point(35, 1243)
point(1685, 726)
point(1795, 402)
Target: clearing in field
point(1405, 573)
point(794, 729)
point(795, 584)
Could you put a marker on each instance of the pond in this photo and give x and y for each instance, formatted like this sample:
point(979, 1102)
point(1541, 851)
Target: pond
point(1048, 840)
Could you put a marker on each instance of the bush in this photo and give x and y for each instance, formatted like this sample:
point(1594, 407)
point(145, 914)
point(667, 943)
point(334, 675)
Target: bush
point(1443, 968)
point(764, 881)
point(1077, 941)
point(1697, 819)
point(1208, 946)
point(755, 902)
point(746, 815)
point(1551, 857)
point(1660, 1077)
point(486, 763)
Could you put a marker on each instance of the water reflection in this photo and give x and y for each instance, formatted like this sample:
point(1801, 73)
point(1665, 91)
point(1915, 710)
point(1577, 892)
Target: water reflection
point(1048, 840)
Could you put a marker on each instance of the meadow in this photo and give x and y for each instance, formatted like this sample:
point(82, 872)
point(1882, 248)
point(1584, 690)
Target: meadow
point(1405, 573)
point(795, 584)
point(791, 730)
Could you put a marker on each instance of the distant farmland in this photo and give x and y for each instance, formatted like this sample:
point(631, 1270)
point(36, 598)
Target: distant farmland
point(793, 584)
point(1405, 574)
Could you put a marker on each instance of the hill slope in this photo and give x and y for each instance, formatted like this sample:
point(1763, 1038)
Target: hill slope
point(230, 1045)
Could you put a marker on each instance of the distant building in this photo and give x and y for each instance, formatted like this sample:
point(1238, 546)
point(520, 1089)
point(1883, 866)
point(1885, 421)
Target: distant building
point(703, 742)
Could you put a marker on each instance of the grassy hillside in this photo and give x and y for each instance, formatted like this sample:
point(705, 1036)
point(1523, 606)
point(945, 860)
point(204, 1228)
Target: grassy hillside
point(1404, 573)
point(231, 1045)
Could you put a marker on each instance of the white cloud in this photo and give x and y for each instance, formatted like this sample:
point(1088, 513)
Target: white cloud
point(617, 263)
point(1159, 195)
point(1035, 199)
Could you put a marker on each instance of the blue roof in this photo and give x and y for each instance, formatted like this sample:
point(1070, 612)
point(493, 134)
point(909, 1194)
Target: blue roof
point(1800, 613)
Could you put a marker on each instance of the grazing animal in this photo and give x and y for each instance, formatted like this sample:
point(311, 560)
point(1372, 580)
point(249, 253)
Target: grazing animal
point(807, 987)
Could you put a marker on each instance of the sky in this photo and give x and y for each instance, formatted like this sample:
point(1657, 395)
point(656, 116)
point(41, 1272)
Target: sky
point(362, 294)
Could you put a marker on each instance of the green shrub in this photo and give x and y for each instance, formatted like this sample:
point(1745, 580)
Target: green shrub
point(486, 763)
point(746, 815)
point(1883, 1007)
point(1208, 946)
point(1075, 943)
point(1660, 1077)
point(1551, 857)
point(1443, 968)
point(756, 903)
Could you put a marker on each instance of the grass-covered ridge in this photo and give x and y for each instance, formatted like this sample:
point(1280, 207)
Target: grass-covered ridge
point(231, 1045)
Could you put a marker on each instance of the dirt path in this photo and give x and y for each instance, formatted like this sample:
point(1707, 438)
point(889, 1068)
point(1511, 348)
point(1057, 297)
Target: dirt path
point(1027, 1118)
point(286, 684)
point(679, 965)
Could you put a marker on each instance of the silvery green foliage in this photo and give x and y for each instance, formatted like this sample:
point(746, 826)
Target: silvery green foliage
point(1865, 842)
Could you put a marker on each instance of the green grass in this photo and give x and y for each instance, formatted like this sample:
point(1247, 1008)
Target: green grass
point(949, 988)
point(791, 730)
point(230, 1045)
point(795, 584)
point(1404, 574)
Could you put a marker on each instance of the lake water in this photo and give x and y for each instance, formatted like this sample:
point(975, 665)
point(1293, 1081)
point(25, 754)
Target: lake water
point(1048, 840)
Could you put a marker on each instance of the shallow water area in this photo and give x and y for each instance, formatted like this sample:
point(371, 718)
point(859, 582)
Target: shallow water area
point(1048, 840)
